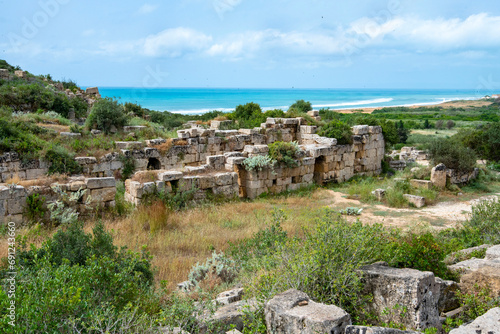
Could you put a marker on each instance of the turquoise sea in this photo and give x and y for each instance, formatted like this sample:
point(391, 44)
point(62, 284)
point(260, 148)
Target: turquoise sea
point(201, 100)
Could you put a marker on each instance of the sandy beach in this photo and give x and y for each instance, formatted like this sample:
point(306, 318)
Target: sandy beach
point(449, 104)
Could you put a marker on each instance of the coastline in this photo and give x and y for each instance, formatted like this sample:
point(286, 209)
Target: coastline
point(448, 104)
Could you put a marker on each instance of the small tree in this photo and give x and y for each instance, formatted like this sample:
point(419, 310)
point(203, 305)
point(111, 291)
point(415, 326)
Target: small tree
point(452, 154)
point(339, 130)
point(301, 105)
point(439, 124)
point(450, 124)
point(105, 114)
point(426, 124)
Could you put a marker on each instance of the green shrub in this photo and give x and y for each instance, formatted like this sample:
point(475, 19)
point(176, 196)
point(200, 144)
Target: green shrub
point(258, 162)
point(339, 130)
point(35, 210)
point(105, 114)
point(285, 152)
point(420, 251)
point(301, 106)
point(61, 161)
point(128, 166)
point(452, 154)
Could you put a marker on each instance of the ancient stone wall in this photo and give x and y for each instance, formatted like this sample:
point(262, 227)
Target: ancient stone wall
point(13, 197)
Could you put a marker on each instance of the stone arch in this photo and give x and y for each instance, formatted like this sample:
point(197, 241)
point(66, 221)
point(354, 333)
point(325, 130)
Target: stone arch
point(154, 164)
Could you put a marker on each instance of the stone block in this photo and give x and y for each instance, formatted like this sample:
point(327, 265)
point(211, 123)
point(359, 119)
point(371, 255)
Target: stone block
point(293, 312)
point(421, 184)
point(102, 195)
point(375, 330)
point(438, 176)
point(487, 276)
point(485, 324)
point(16, 205)
point(232, 315)
point(493, 253)
point(394, 289)
point(307, 129)
point(417, 201)
point(224, 179)
point(379, 193)
point(230, 296)
point(256, 149)
point(100, 182)
point(216, 161)
point(75, 186)
point(170, 176)
point(448, 300)
point(360, 130)
point(86, 160)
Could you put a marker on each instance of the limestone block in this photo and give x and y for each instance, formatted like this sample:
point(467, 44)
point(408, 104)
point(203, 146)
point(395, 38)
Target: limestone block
point(224, 179)
point(421, 184)
point(232, 315)
point(216, 161)
point(189, 183)
point(70, 134)
point(252, 193)
point(417, 201)
point(228, 191)
point(16, 205)
point(131, 199)
point(393, 289)
point(207, 181)
point(438, 176)
point(307, 129)
point(293, 312)
point(230, 296)
point(129, 145)
point(375, 129)
point(375, 330)
point(170, 176)
point(360, 129)
point(100, 182)
point(487, 276)
point(307, 177)
point(256, 149)
point(493, 253)
point(379, 193)
point(4, 193)
point(75, 186)
point(86, 160)
point(102, 195)
point(485, 324)
point(448, 300)
point(283, 181)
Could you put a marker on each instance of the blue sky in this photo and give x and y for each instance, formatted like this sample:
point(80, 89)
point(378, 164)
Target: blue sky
point(256, 43)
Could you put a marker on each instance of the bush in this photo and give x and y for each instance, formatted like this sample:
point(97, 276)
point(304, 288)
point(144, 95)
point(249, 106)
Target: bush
point(35, 210)
point(106, 114)
point(258, 162)
point(75, 279)
point(284, 152)
point(61, 161)
point(485, 141)
point(301, 106)
point(339, 130)
point(452, 154)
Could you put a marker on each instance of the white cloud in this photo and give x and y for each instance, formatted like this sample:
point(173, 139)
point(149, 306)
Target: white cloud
point(175, 42)
point(147, 8)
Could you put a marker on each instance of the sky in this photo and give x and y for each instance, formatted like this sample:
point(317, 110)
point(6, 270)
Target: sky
point(256, 43)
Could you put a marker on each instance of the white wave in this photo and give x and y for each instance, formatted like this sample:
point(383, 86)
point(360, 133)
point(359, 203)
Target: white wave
point(354, 103)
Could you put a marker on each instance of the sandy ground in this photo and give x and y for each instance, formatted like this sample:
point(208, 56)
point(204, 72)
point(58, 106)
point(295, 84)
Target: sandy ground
point(454, 104)
point(440, 215)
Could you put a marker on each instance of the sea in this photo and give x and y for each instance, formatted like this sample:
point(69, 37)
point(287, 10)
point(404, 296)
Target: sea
point(202, 100)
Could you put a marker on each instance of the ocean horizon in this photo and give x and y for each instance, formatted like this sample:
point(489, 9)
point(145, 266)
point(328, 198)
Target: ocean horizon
point(202, 100)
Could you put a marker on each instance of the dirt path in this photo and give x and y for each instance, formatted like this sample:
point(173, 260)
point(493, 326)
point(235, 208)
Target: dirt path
point(440, 215)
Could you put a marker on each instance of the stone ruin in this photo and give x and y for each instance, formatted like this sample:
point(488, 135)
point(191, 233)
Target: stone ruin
point(13, 197)
point(211, 161)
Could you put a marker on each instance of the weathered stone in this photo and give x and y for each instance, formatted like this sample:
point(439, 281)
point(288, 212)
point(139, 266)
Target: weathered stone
point(487, 277)
point(421, 184)
point(20, 74)
point(438, 176)
point(464, 253)
point(379, 193)
point(488, 323)
point(16, 205)
point(133, 128)
point(175, 330)
point(170, 176)
point(375, 330)
point(232, 314)
point(92, 90)
point(493, 253)
point(396, 289)
point(70, 134)
point(86, 160)
point(447, 295)
point(4, 73)
point(230, 296)
point(474, 264)
point(293, 312)
point(360, 129)
point(102, 195)
point(129, 145)
point(75, 186)
point(224, 179)
point(100, 182)
point(417, 201)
